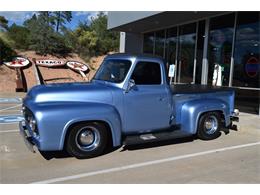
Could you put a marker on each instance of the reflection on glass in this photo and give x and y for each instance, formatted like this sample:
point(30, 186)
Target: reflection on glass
point(187, 41)
point(159, 43)
point(171, 42)
point(199, 57)
point(247, 100)
point(220, 47)
point(148, 43)
point(247, 50)
point(113, 71)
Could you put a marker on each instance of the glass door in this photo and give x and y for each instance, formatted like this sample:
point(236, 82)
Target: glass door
point(219, 49)
point(171, 46)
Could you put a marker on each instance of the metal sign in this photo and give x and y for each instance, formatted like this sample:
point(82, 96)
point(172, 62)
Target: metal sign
point(252, 67)
point(171, 70)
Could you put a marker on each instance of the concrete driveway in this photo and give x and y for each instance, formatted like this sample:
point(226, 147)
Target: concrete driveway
point(232, 158)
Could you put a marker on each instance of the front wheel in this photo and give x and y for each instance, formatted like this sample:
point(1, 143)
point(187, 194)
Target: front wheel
point(209, 126)
point(87, 140)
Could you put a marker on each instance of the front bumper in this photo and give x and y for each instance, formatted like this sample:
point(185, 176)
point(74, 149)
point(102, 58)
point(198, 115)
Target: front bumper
point(26, 136)
point(234, 116)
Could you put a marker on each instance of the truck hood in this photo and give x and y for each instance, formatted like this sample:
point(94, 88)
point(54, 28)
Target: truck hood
point(72, 92)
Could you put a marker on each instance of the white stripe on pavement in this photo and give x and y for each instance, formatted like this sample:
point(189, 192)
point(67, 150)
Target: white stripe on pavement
point(13, 111)
point(138, 165)
point(10, 107)
point(9, 123)
point(9, 131)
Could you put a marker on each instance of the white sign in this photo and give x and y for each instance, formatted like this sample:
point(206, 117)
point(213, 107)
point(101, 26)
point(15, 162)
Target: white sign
point(171, 70)
point(217, 75)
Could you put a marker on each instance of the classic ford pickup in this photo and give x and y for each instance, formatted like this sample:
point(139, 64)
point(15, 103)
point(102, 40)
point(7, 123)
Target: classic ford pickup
point(128, 101)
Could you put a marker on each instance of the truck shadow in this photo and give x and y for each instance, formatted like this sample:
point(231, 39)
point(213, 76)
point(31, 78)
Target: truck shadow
point(158, 143)
point(54, 154)
point(64, 154)
point(224, 131)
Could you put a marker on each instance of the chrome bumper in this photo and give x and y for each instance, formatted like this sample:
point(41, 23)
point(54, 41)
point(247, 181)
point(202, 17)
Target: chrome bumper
point(26, 136)
point(234, 116)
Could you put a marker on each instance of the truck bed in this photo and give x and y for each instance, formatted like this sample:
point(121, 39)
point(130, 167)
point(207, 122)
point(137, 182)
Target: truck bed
point(191, 88)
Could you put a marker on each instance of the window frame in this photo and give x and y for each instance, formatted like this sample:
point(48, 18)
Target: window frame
point(129, 69)
point(149, 61)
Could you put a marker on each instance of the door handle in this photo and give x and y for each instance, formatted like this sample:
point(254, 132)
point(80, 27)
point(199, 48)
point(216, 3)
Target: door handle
point(161, 99)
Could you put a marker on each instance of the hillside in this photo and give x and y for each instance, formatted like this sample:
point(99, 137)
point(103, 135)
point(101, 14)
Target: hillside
point(7, 75)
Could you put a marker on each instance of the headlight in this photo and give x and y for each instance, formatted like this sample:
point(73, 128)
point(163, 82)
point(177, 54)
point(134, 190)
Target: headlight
point(23, 109)
point(32, 123)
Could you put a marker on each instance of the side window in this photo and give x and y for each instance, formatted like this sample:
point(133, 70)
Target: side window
point(147, 73)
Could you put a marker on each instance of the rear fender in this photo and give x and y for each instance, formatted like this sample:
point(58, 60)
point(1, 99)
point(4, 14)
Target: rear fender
point(191, 112)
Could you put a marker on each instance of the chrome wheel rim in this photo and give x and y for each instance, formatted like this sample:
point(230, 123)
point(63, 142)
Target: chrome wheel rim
point(211, 124)
point(87, 138)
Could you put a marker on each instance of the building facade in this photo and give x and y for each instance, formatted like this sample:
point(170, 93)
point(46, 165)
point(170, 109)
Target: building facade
point(197, 43)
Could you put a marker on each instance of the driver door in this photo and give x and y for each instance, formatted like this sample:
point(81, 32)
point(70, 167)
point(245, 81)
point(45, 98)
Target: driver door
point(147, 104)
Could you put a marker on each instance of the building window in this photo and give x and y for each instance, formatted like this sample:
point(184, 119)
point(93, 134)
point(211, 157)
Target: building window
point(148, 43)
point(147, 73)
point(187, 40)
point(247, 49)
point(171, 44)
point(159, 43)
point(220, 48)
point(200, 47)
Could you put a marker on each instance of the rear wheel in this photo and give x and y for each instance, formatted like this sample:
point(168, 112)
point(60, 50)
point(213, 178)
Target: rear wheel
point(209, 126)
point(86, 140)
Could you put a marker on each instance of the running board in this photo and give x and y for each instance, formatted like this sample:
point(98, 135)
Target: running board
point(153, 137)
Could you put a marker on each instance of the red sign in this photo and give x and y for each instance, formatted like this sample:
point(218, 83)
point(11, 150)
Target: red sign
point(252, 67)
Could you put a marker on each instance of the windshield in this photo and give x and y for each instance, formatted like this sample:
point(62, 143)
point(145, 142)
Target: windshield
point(113, 70)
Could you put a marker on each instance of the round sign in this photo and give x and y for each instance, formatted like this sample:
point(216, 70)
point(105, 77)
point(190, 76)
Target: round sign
point(252, 67)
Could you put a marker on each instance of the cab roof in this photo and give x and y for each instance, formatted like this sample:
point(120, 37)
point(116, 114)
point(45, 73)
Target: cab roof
point(132, 55)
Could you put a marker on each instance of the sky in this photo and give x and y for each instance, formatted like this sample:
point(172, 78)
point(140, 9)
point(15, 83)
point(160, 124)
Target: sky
point(19, 17)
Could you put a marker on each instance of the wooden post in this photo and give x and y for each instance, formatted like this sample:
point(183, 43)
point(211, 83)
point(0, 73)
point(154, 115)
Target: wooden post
point(19, 81)
point(36, 73)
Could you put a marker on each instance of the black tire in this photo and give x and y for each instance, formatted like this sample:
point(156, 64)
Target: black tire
point(206, 131)
point(86, 132)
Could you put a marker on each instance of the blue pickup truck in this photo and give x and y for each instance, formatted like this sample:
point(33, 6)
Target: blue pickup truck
point(128, 101)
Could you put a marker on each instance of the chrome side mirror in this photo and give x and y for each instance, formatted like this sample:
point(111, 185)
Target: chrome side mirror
point(130, 85)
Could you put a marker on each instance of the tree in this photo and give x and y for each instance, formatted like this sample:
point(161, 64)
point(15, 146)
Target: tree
point(43, 38)
point(5, 47)
point(87, 42)
point(46, 33)
point(3, 23)
point(92, 39)
point(107, 40)
point(61, 18)
point(20, 36)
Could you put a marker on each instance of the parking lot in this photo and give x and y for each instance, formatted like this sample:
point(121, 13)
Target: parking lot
point(232, 158)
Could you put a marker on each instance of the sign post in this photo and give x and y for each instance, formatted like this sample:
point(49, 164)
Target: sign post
point(171, 72)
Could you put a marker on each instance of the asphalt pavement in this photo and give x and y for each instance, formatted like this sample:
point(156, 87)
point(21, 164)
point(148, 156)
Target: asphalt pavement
point(234, 157)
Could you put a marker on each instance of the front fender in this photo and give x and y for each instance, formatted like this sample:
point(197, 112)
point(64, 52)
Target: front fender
point(192, 110)
point(54, 120)
point(105, 113)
